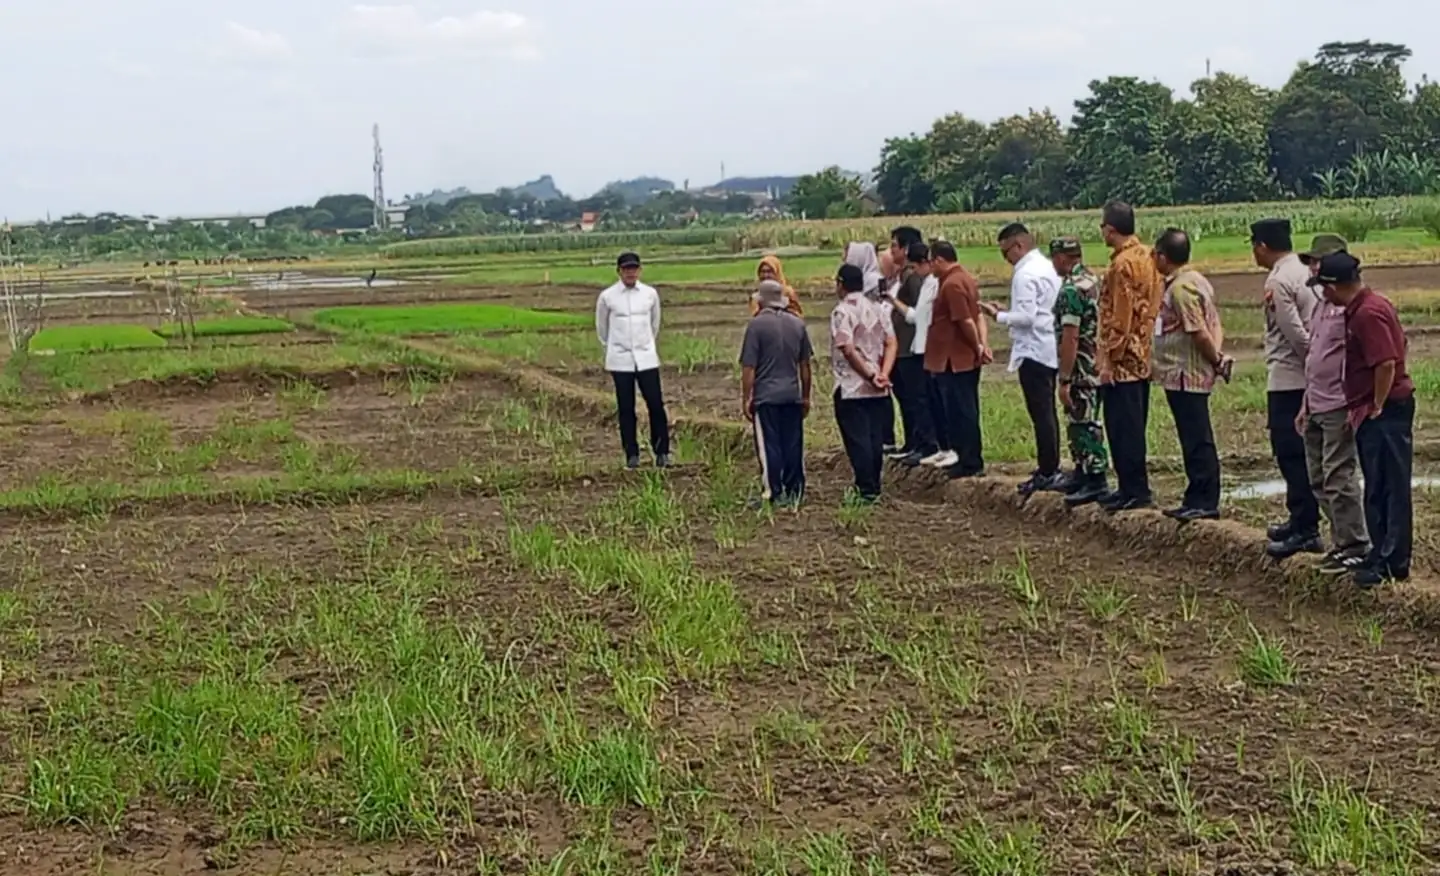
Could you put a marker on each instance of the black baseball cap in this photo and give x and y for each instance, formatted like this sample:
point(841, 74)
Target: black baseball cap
point(851, 278)
point(1338, 267)
point(628, 260)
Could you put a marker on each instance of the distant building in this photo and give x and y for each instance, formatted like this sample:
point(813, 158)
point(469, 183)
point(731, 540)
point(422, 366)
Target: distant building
point(395, 214)
point(588, 221)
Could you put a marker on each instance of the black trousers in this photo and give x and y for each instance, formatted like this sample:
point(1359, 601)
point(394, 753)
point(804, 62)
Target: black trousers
point(1191, 411)
point(780, 443)
point(1386, 448)
point(862, 429)
point(1288, 446)
point(937, 411)
point(1126, 410)
point(1037, 383)
point(960, 399)
point(887, 423)
point(649, 383)
point(912, 391)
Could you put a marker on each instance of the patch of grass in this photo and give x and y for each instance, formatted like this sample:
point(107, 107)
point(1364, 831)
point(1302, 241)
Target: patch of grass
point(226, 326)
point(97, 371)
point(1263, 662)
point(88, 338)
point(1339, 829)
point(425, 319)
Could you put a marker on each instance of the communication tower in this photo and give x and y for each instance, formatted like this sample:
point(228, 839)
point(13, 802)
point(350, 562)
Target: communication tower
point(381, 220)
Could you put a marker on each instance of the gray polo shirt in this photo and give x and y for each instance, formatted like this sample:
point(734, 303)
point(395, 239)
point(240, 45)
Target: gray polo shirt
point(775, 344)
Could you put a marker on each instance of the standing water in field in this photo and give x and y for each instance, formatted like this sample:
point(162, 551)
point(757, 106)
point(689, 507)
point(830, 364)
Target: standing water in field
point(1276, 487)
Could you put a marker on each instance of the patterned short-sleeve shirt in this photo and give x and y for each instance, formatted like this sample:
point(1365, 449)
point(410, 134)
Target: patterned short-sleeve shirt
point(1187, 306)
point(860, 322)
point(1078, 305)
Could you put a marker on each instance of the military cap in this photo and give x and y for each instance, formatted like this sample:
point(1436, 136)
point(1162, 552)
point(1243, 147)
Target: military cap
point(1065, 246)
point(1322, 246)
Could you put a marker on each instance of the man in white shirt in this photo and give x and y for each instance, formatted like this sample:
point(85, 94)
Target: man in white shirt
point(627, 319)
point(1034, 286)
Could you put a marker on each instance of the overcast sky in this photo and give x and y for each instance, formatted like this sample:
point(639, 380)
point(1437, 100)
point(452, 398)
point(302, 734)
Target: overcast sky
point(217, 106)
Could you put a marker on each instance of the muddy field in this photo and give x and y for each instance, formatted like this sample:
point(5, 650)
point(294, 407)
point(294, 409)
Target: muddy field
point(384, 618)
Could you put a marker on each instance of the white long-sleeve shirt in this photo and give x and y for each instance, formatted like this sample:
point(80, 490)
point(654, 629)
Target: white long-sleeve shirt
point(919, 315)
point(1034, 286)
point(627, 321)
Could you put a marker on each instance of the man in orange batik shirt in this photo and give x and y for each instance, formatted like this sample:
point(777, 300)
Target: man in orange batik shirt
point(1129, 302)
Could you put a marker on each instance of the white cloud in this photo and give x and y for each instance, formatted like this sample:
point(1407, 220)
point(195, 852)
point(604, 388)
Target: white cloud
point(254, 43)
point(402, 30)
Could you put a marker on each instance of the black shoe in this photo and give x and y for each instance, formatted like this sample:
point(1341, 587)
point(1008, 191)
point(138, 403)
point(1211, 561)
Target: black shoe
point(1029, 486)
point(888, 449)
point(1296, 543)
point(912, 459)
point(1369, 577)
point(662, 460)
point(1190, 515)
point(1343, 561)
point(1074, 483)
point(1111, 499)
point(956, 473)
point(632, 462)
point(1053, 483)
point(898, 453)
point(1280, 531)
point(1131, 504)
point(1091, 489)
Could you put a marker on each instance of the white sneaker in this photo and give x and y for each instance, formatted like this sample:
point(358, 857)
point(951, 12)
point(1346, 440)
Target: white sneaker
point(943, 459)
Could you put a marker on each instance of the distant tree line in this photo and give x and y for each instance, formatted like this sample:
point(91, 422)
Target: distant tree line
point(339, 219)
point(1345, 125)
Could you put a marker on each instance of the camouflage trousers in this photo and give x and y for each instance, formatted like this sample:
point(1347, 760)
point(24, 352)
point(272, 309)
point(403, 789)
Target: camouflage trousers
point(1082, 427)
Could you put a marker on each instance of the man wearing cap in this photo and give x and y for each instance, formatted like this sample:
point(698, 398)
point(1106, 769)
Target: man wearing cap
point(1077, 322)
point(1381, 400)
point(775, 393)
point(1331, 457)
point(1289, 304)
point(627, 319)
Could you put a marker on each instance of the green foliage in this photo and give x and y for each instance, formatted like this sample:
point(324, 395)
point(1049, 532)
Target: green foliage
point(1343, 126)
point(1354, 225)
point(829, 194)
point(515, 243)
point(87, 338)
point(229, 325)
point(441, 318)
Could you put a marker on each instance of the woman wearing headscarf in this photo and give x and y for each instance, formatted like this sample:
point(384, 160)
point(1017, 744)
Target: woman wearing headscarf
point(862, 254)
point(770, 269)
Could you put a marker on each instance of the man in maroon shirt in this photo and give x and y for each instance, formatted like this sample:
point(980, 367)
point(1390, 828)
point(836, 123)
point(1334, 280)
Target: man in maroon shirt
point(1380, 398)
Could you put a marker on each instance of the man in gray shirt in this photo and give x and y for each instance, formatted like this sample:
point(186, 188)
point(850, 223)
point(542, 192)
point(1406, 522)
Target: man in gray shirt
point(775, 356)
point(1289, 304)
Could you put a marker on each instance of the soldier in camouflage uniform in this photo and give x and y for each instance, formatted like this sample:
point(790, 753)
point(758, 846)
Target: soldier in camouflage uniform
point(1077, 325)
